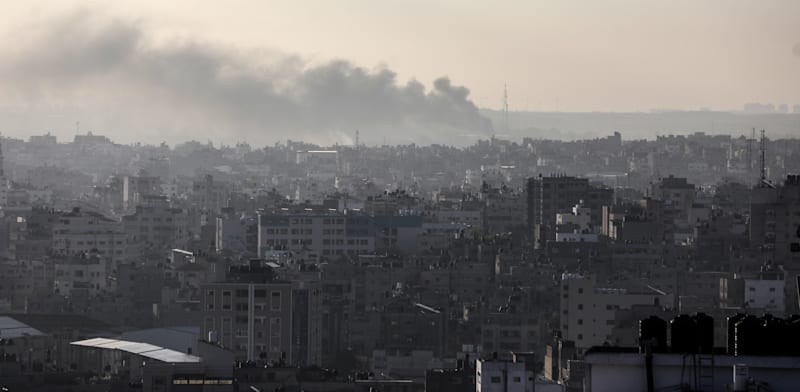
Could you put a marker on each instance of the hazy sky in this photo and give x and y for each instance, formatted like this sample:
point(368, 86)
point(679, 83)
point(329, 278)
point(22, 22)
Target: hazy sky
point(608, 55)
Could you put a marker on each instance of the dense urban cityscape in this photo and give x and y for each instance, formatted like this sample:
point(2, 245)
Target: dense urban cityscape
point(399, 196)
point(293, 267)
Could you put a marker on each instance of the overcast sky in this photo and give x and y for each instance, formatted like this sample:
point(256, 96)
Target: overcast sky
point(219, 65)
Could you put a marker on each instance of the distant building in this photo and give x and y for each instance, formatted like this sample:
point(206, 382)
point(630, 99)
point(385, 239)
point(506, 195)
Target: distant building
point(264, 319)
point(775, 230)
point(494, 375)
point(81, 273)
point(587, 312)
point(548, 196)
point(318, 231)
point(759, 292)
point(156, 226)
point(83, 232)
point(90, 139)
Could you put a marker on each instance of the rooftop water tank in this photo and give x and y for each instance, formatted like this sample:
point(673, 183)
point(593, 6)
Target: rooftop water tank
point(704, 325)
point(684, 336)
point(654, 330)
point(748, 336)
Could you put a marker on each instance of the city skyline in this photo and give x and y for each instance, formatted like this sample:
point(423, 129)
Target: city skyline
point(271, 71)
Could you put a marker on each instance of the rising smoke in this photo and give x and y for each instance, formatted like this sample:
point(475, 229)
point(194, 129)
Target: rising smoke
point(113, 77)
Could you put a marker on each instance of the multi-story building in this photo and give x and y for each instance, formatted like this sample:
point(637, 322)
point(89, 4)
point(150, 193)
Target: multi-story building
point(576, 226)
point(318, 231)
point(156, 226)
point(263, 319)
point(678, 196)
point(493, 375)
point(134, 187)
point(763, 291)
point(232, 232)
point(22, 280)
point(775, 229)
point(502, 209)
point(547, 196)
point(81, 273)
point(510, 331)
point(208, 194)
point(83, 232)
point(321, 164)
point(587, 312)
point(407, 326)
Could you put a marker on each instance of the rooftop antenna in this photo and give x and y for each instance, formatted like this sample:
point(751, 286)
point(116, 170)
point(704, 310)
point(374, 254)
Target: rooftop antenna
point(357, 138)
point(77, 127)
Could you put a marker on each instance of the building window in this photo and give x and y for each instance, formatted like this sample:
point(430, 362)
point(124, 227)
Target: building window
point(275, 301)
point(516, 379)
point(580, 336)
point(226, 300)
point(495, 380)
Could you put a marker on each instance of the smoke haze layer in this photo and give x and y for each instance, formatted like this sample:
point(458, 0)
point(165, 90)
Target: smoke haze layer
point(115, 79)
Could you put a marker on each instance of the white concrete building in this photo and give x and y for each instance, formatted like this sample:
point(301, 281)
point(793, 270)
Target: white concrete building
point(580, 216)
point(501, 376)
point(767, 294)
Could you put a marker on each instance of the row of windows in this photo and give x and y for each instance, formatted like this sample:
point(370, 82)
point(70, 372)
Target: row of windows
point(275, 300)
point(497, 379)
point(96, 242)
point(77, 273)
point(309, 241)
point(608, 307)
point(325, 221)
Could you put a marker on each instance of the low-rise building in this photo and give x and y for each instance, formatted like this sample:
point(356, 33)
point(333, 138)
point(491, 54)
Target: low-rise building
point(495, 375)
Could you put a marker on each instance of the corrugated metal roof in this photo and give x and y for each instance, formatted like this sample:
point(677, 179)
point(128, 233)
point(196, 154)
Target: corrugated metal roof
point(11, 329)
point(143, 349)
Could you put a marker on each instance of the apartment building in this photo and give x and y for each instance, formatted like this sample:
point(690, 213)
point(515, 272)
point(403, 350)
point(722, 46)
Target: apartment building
point(81, 273)
point(318, 231)
point(83, 232)
point(263, 319)
point(493, 375)
point(775, 229)
point(547, 196)
point(587, 310)
point(156, 226)
point(22, 280)
point(763, 291)
point(233, 231)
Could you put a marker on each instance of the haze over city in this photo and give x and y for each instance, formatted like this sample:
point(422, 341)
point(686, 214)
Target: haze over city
point(317, 71)
point(400, 196)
